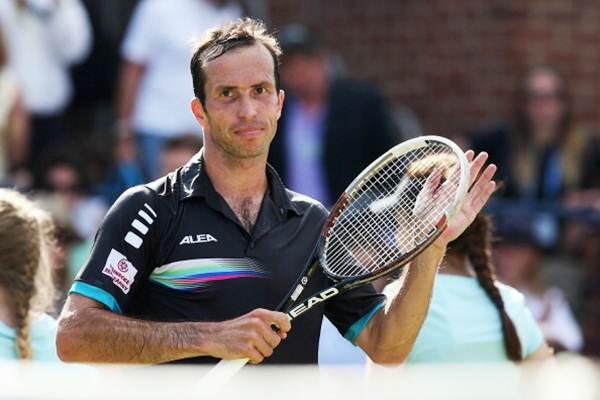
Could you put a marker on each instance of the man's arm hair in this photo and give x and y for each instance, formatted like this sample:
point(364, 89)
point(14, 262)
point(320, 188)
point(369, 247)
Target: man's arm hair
point(87, 332)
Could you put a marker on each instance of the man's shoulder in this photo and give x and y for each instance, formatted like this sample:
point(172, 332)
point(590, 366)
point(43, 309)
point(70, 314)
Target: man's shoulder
point(160, 193)
point(306, 203)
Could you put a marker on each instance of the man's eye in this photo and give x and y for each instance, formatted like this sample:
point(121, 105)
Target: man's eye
point(226, 93)
point(260, 90)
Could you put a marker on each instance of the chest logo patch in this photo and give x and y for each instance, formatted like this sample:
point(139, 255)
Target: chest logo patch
point(197, 274)
point(120, 270)
point(200, 238)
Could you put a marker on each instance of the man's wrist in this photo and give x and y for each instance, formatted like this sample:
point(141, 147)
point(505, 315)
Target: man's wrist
point(203, 333)
point(440, 244)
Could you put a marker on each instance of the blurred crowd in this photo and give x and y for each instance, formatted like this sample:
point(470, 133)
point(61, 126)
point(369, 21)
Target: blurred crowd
point(94, 99)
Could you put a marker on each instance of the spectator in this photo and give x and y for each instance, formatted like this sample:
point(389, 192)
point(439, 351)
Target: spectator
point(63, 177)
point(543, 154)
point(154, 90)
point(14, 126)
point(177, 152)
point(124, 172)
point(330, 129)
point(26, 290)
point(519, 255)
point(44, 38)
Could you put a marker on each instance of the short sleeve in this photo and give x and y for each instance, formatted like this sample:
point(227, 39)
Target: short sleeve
point(529, 332)
point(139, 39)
point(350, 312)
point(122, 255)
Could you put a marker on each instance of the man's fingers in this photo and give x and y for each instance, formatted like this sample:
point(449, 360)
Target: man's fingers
point(483, 188)
point(281, 320)
point(270, 336)
point(254, 356)
point(264, 348)
point(483, 196)
point(469, 154)
point(486, 176)
point(476, 166)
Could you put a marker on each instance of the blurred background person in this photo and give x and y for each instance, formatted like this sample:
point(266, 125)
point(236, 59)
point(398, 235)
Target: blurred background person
point(543, 154)
point(14, 126)
point(330, 128)
point(44, 38)
point(523, 238)
point(178, 151)
point(65, 191)
point(26, 289)
point(472, 317)
point(154, 86)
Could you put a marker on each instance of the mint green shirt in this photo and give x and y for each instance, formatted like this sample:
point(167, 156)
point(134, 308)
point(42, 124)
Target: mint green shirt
point(42, 339)
point(463, 325)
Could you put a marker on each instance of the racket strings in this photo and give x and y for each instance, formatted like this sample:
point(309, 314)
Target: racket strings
point(392, 211)
point(381, 244)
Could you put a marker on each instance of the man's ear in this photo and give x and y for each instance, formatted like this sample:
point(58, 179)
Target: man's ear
point(280, 99)
point(199, 112)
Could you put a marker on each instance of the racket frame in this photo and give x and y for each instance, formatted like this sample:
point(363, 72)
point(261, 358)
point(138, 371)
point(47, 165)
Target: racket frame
point(294, 309)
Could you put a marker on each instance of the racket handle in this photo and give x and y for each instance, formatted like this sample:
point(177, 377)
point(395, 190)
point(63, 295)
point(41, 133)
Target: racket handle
point(221, 373)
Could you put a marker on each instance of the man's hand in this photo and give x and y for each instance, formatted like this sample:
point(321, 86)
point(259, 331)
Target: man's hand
point(249, 336)
point(481, 188)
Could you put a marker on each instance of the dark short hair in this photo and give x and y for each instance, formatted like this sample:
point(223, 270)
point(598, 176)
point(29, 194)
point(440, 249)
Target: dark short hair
point(242, 32)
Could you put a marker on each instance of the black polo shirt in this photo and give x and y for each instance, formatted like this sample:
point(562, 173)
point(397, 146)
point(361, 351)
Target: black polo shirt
point(173, 250)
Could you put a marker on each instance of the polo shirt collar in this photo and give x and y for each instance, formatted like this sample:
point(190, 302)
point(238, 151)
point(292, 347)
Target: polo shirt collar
point(195, 182)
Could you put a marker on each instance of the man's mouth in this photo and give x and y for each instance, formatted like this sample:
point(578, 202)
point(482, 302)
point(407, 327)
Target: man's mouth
point(249, 130)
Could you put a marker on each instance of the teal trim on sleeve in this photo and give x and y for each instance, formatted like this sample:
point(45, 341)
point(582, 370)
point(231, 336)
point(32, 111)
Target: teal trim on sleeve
point(95, 293)
point(359, 325)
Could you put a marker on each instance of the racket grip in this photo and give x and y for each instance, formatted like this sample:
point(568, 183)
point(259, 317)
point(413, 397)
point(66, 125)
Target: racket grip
point(221, 373)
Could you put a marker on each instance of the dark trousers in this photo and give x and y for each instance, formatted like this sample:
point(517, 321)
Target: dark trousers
point(47, 133)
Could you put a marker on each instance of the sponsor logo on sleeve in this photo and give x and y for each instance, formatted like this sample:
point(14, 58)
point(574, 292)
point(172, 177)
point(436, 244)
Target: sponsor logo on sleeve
point(120, 270)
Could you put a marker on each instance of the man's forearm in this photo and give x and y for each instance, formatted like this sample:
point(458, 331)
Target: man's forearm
point(393, 330)
point(102, 336)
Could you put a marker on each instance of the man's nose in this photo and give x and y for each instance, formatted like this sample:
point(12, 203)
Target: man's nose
point(247, 108)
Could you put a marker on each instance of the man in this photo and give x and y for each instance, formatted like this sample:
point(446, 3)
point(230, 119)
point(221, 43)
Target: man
point(210, 249)
point(331, 128)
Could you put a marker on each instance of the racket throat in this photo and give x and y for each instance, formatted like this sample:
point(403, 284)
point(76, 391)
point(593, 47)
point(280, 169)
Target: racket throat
point(309, 303)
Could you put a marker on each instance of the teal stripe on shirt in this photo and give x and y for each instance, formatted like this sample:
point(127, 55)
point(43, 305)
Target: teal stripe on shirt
point(359, 325)
point(95, 293)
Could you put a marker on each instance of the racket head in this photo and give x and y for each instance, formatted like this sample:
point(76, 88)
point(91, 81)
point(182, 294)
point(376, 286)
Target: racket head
point(394, 209)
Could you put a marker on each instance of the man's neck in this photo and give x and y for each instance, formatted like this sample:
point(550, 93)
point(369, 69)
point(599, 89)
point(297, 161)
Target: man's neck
point(235, 177)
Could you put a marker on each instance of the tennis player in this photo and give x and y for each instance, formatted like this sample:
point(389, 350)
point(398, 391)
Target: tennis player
point(188, 267)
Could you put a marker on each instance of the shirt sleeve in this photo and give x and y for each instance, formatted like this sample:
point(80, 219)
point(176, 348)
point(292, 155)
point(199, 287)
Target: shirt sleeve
point(350, 312)
point(122, 256)
point(140, 36)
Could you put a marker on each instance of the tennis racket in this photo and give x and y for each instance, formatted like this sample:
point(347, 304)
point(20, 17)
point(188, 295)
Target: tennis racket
point(388, 215)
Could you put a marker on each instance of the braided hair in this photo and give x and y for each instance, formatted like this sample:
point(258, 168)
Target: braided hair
point(25, 273)
point(476, 244)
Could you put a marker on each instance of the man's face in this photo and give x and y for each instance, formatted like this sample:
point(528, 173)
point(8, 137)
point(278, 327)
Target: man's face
point(242, 104)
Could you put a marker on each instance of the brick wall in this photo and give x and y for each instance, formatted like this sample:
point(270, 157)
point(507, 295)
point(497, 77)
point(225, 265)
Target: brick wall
point(456, 62)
